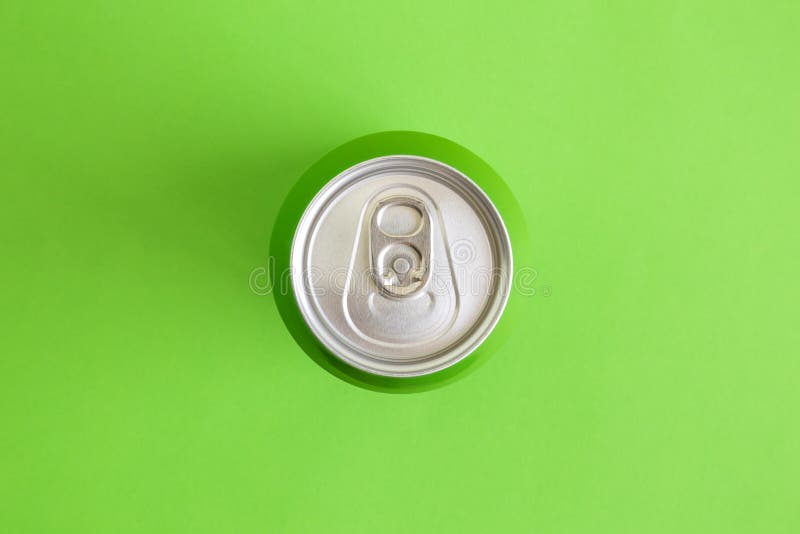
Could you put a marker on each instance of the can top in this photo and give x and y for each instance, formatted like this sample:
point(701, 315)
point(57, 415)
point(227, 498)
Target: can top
point(401, 266)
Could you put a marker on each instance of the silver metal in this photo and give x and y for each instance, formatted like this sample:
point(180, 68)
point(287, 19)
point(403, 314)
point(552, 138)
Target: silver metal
point(401, 266)
point(400, 257)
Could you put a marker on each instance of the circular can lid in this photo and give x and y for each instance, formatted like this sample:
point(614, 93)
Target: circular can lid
point(401, 266)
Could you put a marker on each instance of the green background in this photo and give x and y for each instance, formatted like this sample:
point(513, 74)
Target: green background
point(652, 384)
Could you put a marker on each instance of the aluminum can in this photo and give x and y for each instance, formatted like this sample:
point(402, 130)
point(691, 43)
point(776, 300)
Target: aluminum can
point(401, 266)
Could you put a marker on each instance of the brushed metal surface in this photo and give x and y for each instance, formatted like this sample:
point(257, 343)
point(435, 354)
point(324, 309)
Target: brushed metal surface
point(401, 266)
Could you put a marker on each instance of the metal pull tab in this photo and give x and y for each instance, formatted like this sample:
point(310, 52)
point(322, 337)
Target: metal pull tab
point(400, 245)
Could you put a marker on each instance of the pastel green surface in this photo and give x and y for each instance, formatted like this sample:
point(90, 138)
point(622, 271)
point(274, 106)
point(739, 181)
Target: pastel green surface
point(652, 384)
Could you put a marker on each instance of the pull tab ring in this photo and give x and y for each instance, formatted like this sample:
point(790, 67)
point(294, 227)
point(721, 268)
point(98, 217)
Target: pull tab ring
point(400, 245)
